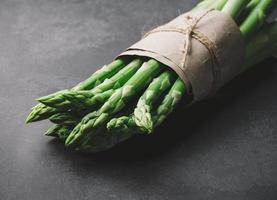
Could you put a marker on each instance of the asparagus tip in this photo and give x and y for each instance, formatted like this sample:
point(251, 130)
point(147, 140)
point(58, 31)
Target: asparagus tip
point(32, 117)
point(143, 120)
point(47, 133)
point(69, 141)
point(73, 137)
point(42, 99)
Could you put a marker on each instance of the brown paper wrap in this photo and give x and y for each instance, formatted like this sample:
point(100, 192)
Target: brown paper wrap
point(205, 48)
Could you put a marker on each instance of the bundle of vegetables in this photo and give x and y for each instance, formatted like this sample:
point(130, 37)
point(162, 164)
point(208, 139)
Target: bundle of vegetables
point(133, 94)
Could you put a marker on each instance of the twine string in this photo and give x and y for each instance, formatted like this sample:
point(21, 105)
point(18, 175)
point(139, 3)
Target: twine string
point(190, 31)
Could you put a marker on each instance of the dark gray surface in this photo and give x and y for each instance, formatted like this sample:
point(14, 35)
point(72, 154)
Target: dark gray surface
point(224, 148)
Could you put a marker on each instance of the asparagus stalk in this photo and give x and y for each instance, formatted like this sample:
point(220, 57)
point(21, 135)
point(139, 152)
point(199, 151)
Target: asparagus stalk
point(115, 103)
point(52, 131)
point(40, 111)
point(170, 101)
point(142, 113)
point(100, 75)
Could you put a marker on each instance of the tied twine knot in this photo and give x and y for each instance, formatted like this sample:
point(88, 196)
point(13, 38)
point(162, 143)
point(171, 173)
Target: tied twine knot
point(190, 31)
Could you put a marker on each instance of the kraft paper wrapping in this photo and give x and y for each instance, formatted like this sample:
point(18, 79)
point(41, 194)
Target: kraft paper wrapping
point(205, 48)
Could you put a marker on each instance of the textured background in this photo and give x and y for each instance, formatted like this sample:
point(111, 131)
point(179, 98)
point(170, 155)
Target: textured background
point(224, 148)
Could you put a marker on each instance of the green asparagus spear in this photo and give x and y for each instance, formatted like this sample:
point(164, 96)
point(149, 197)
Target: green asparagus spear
point(52, 131)
point(142, 113)
point(100, 75)
point(115, 103)
point(170, 101)
point(40, 112)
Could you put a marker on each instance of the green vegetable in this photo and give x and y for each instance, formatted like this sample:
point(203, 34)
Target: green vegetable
point(52, 131)
point(169, 102)
point(40, 112)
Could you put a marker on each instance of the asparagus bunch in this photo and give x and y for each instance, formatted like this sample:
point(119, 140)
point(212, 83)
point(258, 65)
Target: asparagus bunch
point(95, 115)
